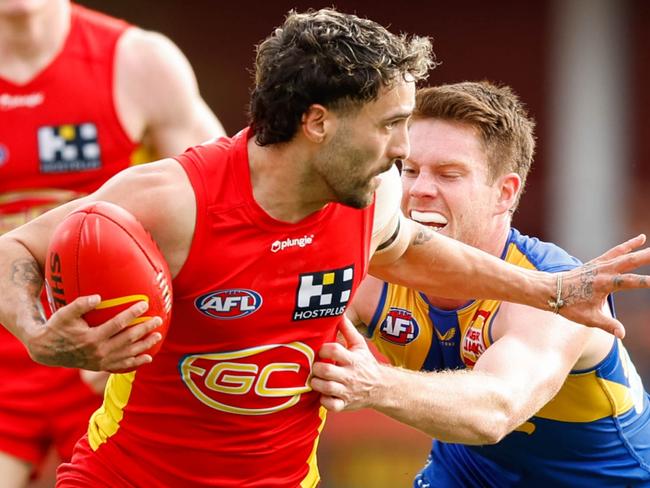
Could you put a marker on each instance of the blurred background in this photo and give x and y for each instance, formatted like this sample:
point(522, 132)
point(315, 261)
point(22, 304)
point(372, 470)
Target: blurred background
point(581, 66)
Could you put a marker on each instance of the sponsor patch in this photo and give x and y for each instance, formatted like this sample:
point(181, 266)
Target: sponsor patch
point(323, 294)
point(68, 148)
point(399, 327)
point(229, 304)
point(447, 336)
point(28, 100)
point(474, 342)
point(286, 243)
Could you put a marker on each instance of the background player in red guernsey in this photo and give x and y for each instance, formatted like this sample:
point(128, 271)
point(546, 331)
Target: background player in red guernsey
point(79, 92)
point(267, 236)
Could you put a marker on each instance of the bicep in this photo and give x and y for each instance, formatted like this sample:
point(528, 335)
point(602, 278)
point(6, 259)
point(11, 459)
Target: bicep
point(534, 350)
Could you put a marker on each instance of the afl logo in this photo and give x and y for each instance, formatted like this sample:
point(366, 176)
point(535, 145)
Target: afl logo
point(229, 304)
point(399, 327)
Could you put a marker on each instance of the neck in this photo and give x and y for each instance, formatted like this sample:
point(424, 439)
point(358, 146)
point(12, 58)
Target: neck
point(493, 245)
point(30, 40)
point(283, 183)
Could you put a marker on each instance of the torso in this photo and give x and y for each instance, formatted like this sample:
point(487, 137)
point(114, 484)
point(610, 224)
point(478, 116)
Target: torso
point(604, 405)
point(61, 137)
point(253, 304)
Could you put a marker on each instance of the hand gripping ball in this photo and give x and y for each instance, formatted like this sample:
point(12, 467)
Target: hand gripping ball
point(102, 249)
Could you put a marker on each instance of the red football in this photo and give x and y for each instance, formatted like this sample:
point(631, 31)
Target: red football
point(101, 248)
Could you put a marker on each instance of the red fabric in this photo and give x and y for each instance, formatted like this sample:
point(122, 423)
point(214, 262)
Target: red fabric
point(74, 94)
point(65, 108)
point(174, 431)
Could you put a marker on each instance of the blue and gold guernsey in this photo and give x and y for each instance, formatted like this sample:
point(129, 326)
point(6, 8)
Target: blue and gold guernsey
point(594, 432)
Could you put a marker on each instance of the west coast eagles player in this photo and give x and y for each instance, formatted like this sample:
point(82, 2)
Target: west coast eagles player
point(524, 398)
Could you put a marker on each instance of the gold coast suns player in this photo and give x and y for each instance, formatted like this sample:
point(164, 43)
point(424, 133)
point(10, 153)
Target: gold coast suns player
point(81, 94)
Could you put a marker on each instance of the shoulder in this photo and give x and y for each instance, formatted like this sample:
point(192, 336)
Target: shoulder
point(151, 56)
point(533, 252)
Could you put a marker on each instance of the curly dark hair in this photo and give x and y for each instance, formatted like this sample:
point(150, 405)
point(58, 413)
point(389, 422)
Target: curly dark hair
point(495, 111)
point(331, 58)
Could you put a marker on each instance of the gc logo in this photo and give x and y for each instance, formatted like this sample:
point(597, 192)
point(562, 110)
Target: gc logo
point(255, 381)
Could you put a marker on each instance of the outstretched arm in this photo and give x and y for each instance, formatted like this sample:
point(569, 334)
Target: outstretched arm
point(441, 266)
point(507, 386)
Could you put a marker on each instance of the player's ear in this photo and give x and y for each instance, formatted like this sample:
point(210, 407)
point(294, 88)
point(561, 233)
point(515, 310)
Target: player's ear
point(509, 186)
point(317, 123)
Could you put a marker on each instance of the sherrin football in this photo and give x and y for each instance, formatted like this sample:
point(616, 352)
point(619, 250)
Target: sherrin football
point(102, 249)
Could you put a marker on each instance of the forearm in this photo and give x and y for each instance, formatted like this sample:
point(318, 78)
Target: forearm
point(452, 406)
point(21, 283)
point(440, 266)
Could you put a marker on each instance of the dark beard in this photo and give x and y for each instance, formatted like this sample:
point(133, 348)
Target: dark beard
point(356, 200)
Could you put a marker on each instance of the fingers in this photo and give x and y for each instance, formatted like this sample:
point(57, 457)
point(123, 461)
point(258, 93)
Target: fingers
point(613, 326)
point(126, 350)
point(335, 352)
point(122, 320)
point(632, 261)
point(129, 364)
point(332, 404)
point(331, 393)
point(79, 306)
point(630, 282)
point(621, 249)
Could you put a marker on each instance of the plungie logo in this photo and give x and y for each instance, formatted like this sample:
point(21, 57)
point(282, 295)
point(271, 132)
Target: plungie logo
point(229, 304)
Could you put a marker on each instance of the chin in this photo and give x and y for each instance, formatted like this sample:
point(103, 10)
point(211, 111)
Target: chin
point(358, 200)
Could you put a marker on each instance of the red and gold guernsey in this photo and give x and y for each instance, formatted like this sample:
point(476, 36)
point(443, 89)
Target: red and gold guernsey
point(60, 136)
point(226, 402)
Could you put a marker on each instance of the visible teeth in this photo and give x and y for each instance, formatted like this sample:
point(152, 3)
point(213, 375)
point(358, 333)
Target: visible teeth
point(428, 217)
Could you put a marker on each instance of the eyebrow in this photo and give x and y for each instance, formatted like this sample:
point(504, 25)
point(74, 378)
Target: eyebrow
point(444, 164)
point(399, 115)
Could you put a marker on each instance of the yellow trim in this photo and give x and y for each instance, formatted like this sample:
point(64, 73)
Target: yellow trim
point(313, 477)
point(526, 427)
point(586, 398)
point(114, 302)
point(142, 154)
point(105, 422)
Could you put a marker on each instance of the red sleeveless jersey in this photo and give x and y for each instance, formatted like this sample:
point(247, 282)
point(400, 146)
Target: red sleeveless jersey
point(60, 137)
point(59, 133)
point(226, 402)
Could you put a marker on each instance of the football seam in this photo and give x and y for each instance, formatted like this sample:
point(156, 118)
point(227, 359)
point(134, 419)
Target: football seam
point(135, 240)
point(77, 242)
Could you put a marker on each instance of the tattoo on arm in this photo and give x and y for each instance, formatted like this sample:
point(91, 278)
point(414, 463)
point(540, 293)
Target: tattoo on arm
point(25, 274)
point(423, 235)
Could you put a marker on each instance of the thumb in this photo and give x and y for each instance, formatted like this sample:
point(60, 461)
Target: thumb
point(351, 335)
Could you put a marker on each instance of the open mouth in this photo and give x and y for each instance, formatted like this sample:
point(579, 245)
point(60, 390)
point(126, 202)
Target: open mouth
point(431, 219)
